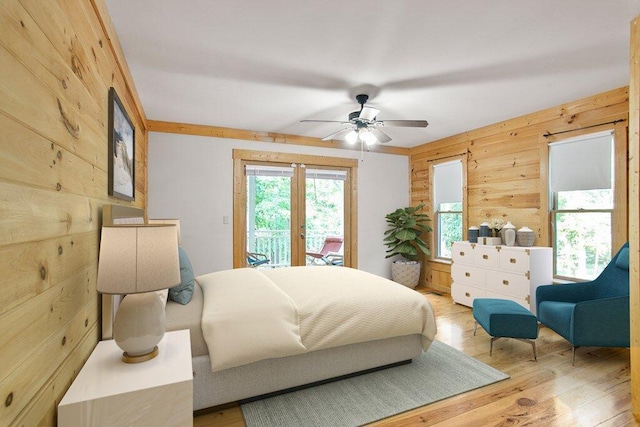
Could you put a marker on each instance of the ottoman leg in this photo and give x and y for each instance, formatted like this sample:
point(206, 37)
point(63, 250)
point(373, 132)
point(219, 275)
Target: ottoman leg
point(532, 342)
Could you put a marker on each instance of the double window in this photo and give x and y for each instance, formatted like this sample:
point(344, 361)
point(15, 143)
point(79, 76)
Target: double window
point(581, 198)
point(447, 206)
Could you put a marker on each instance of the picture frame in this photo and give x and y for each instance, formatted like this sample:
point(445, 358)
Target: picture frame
point(122, 145)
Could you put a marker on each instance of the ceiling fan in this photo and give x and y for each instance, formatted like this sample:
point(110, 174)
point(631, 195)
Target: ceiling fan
point(364, 127)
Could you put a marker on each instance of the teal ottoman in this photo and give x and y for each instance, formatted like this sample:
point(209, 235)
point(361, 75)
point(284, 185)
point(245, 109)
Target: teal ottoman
point(503, 318)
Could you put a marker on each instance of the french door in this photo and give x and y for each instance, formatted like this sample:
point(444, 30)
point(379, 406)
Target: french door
point(292, 210)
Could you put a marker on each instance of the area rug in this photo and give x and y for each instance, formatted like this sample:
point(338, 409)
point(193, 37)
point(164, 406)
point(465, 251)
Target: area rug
point(435, 375)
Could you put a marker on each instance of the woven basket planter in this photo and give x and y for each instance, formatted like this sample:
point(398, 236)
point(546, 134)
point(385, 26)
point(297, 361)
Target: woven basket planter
point(406, 274)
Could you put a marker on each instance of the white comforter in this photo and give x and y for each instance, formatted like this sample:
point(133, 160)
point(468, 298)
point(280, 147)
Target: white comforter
point(251, 314)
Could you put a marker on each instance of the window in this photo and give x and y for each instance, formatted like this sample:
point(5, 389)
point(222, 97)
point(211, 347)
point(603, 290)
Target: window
point(447, 206)
point(581, 196)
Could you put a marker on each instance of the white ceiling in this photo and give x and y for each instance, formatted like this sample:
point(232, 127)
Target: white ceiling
point(460, 64)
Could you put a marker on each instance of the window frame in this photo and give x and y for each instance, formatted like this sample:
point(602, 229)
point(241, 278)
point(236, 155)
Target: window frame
point(435, 240)
point(619, 218)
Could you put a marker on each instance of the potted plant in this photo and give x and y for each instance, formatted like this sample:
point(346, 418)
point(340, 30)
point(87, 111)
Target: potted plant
point(406, 225)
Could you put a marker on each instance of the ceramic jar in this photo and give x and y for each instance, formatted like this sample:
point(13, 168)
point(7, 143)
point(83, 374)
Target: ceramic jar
point(509, 234)
point(484, 230)
point(473, 234)
point(525, 237)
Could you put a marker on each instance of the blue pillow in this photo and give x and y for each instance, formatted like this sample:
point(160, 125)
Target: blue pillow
point(184, 291)
point(623, 259)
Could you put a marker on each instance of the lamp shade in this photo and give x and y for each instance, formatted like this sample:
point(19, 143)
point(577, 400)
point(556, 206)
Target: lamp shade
point(138, 258)
point(173, 221)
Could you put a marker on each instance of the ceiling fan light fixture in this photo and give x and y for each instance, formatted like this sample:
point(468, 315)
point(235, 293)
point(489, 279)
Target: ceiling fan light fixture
point(351, 137)
point(366, 136)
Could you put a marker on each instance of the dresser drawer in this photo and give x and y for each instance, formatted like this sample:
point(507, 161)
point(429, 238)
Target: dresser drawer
point(486, 256)
point(468, 275)
point(522, 301)
point(516, 284)
point(462, 253)
point(463, 294)
point(515, 260)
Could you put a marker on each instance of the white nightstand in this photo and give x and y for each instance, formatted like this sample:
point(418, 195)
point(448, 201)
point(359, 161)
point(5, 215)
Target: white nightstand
point(109, 392)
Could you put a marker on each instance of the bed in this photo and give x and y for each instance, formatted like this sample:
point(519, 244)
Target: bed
point(256, 332)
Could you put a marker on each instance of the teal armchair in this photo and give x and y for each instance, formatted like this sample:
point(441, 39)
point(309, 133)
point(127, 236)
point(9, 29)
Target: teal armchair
point(594, 314)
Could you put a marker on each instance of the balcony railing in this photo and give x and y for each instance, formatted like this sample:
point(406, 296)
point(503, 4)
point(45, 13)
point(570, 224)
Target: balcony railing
point(276, 244)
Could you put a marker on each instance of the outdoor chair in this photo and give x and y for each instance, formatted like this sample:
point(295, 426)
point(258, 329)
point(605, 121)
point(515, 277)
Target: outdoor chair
point(328, 255)
point(255, 259)
point(595, 313)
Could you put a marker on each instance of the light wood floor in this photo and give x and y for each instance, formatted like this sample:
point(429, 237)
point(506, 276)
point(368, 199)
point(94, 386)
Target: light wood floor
point(549, 392)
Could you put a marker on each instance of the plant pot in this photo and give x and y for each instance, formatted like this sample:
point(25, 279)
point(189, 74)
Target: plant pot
point(406, 273)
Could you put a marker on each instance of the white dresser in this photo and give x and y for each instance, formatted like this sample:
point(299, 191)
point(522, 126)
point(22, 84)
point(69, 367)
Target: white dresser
point(506, 272)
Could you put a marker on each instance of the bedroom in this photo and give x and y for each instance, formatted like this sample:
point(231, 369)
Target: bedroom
point(57, 67)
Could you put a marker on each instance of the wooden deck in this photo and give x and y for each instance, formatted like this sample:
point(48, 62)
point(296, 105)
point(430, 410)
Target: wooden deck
point(549, 392)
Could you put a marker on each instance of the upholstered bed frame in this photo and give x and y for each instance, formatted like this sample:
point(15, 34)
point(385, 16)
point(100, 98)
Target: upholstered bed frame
point(267, 376)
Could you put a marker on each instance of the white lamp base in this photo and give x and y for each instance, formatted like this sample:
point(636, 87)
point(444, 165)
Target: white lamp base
point(139, 326)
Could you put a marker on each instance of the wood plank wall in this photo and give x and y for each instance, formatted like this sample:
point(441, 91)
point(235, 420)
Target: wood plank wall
point(506, 173)
point(634, 212)
point(57, 60)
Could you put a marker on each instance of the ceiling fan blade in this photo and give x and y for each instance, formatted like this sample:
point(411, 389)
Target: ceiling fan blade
point(405, 123)
point(324, 121)
point(380, 136)
point(337, 135)
point(368, 113)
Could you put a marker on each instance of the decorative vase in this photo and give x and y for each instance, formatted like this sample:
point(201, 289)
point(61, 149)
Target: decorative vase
point(484, 230)
point(509, 234)
point(525, 237)
point(473, 234)
point(406, 273)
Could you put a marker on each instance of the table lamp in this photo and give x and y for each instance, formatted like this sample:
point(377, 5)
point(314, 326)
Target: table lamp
point(136, 260)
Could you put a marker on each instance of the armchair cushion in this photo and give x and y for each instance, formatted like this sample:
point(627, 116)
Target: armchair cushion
point(558, 316)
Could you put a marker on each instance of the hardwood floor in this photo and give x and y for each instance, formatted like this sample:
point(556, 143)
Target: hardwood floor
point(549, 392)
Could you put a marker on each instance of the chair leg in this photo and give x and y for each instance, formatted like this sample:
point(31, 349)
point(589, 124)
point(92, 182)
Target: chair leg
point(475, 328)
point(573, 362)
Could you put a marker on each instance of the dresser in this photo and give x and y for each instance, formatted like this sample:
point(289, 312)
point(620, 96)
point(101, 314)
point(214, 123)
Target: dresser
point(506, 272)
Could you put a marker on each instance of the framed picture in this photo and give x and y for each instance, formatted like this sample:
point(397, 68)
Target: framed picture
point(122, 147)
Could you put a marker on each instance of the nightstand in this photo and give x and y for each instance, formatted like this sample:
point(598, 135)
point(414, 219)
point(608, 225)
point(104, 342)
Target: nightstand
point(109, 392)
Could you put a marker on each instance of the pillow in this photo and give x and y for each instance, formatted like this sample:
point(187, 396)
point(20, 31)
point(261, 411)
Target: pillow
point(163, 294)
point(184, 291)
point(623, 259)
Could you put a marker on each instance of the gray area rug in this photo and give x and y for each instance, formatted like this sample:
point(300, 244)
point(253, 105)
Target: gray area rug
point(437, 374)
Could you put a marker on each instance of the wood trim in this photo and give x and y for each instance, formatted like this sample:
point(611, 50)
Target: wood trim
point(634, 213)
point(260, 136)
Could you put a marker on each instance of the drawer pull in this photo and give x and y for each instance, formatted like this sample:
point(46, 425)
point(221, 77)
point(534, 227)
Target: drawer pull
point(467, 274)
point(485, 256)
point(505, 282)
point(512, 260)
point(467, 294)
point(461, 253)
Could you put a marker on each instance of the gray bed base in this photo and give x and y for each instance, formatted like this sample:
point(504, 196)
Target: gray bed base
point(271, 375)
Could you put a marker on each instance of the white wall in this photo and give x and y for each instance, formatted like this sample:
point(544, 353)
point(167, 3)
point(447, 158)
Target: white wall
point(190, 178)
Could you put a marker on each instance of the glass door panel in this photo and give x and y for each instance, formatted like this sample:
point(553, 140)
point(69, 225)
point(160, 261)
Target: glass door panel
point(324, 216)
point(268, 216)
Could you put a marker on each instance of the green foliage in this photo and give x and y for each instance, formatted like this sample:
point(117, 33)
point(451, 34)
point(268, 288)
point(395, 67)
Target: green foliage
point(403, 236)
